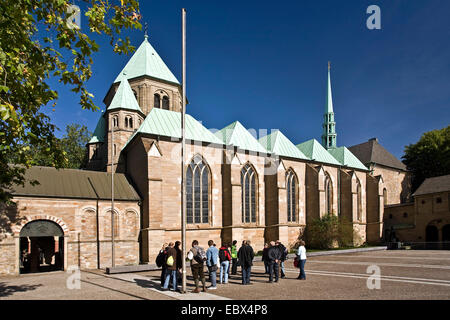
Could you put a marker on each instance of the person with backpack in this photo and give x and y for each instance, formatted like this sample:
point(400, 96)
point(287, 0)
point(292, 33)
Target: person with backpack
point(274, 256)
point(234, 258)
point(197, 256)
point(224, 258)
point(301, 256)
point(245, 256)
point(212, 258)
point(171, 264)
point(161, 262)
point(284, 253)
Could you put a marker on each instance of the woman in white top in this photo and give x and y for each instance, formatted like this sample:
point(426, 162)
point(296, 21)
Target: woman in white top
point(301, 255)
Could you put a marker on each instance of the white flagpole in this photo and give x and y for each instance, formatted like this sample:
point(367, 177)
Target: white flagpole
point(112, 195)
point(183, 146)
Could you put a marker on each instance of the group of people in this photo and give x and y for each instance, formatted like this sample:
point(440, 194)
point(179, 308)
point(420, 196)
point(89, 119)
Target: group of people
point(274, 255)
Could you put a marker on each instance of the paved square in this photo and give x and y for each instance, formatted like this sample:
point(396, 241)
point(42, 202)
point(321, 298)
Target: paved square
point(404, 275)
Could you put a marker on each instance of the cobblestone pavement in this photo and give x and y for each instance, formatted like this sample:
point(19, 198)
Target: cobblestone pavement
point(404, 275)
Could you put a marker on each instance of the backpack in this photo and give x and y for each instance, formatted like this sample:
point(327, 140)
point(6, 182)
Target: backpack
point(170, 261)
point(223, 255)
point(160, 259)
point(200, 257)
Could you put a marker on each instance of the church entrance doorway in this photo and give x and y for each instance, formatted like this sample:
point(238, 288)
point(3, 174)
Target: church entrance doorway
point(41, 247)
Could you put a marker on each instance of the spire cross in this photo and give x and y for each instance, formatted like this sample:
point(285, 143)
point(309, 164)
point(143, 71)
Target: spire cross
point(145, 30)
point(329, 65)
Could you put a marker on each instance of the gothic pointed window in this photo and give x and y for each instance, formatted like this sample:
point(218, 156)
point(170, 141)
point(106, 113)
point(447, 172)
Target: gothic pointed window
point(359, 201)
point(156, 101)
point(198, 179)
point(328, 194)
point(292, 196)
point(249, 193)
point(165, 103)
point(385, 196)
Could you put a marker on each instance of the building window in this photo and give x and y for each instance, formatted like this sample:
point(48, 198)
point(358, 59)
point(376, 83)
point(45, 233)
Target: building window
point(423, 201)
point(439, 200)
point(405, 215)
point(156, 101)
point(328, 194)
point(385, 200)
point(115, 149)
point(165, 103)
point(197, 191)
point(359, 201)
point(115, 121)
point(128, 122)
point(291, 190)
point(249, 193)
point(390, 216)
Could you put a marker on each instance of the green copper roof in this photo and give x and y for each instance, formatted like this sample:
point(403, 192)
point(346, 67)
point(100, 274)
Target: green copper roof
point(124, 98)
point(99, 132)
point(168, 124)
point(329, 106)
point(278, 143)
point(146, 61)
point(346, 158)
point(235, 134)
point(314, 150)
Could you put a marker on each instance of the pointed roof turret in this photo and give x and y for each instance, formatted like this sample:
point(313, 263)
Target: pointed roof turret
point(329, 125)
point(146, 61)
point(124, 98)
point(276, 142)
point(314, 150)
point(236, 134)
point(99, 132)
point(346, 158)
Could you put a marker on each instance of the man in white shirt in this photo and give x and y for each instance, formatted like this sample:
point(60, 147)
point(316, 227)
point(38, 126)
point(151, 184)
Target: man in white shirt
point(301, 256)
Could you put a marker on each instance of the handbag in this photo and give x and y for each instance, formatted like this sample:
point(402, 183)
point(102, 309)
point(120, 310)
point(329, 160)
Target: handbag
point(296, 262)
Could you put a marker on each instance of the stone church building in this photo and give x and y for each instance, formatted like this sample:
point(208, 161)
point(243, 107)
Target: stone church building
point(238, 187)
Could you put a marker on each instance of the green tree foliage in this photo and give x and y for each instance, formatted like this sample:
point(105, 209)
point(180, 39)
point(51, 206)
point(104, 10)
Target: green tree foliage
point(36, 44)
point(330, 231)
point(74, 144)
point(429, 157)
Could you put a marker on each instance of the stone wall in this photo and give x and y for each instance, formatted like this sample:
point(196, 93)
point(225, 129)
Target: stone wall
point(78, 219)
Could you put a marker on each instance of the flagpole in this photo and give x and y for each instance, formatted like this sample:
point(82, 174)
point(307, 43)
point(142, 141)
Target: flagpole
point(112, 196)
point(183, 146)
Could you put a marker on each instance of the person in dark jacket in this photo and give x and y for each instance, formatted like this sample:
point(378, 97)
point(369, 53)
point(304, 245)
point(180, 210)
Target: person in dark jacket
point(245, 256)
point(274, 256)
point(265, 258)
point(171, 268)
point(163, 254)
point(284, 253)
point(179, 260)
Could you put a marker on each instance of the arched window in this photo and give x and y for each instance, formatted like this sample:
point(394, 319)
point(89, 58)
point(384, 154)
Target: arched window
point(328, 194)
point(359, 201)
point(156, 101)
point(291, 190)
point(249, 193)
point(128, 122)
point(165, 103)
point(197, 191)
point(115, 151)
point(385, 199)
point(115, 121)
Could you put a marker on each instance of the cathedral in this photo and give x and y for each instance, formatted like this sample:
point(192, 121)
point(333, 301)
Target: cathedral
point(237, 186)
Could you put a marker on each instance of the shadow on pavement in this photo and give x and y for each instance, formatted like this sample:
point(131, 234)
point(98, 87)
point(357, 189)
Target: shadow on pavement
point(6, 290)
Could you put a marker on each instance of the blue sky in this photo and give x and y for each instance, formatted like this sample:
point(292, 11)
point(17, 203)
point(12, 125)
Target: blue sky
point(264, 63)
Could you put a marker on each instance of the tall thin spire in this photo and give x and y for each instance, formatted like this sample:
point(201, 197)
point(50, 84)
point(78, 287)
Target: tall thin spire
point(146, 31)
point(329, 125)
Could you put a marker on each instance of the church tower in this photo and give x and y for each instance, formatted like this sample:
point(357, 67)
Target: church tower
point(329, 125)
